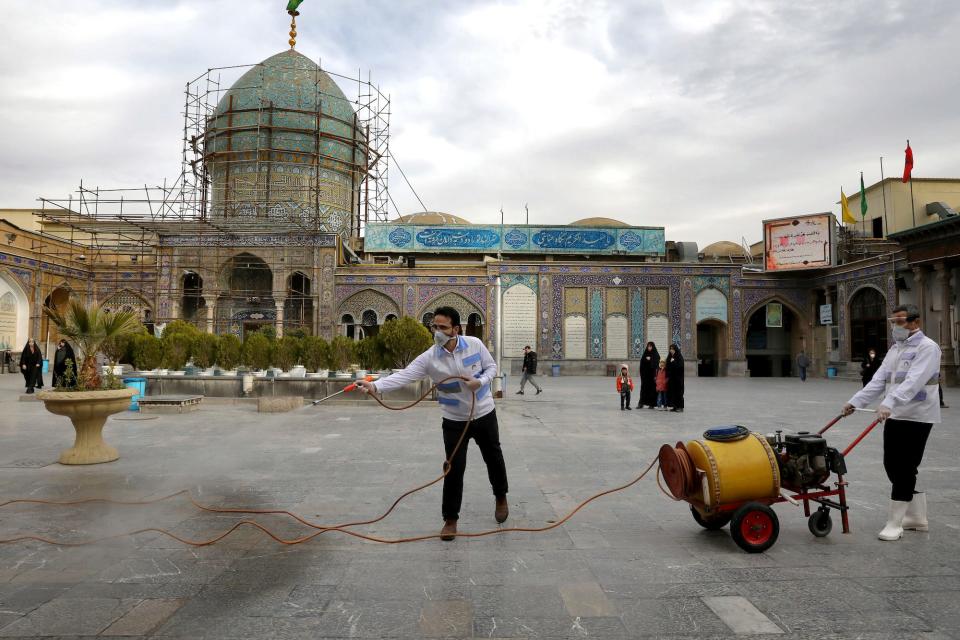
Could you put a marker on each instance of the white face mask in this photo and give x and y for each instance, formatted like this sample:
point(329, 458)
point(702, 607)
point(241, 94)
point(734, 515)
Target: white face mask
point(900, 333)
point(441, 338)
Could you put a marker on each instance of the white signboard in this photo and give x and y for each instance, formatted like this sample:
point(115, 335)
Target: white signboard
point(804, 242)
point(658, 332)
point(826, 314)
point(617, 337)
point(711, 305)
point(575, 337)
point(519, 320)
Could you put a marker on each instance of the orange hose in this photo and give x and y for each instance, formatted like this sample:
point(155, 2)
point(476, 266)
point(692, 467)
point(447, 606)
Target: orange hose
point(321, 529)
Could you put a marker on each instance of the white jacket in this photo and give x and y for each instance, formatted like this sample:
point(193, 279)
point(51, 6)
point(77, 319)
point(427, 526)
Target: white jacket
point(469, 359)
point(907, 379)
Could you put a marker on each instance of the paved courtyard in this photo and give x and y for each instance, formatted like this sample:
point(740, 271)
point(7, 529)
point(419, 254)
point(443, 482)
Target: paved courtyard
point(633, 564)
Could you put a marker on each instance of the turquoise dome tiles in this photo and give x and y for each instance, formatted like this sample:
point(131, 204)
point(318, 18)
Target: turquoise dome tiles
point(262, 145)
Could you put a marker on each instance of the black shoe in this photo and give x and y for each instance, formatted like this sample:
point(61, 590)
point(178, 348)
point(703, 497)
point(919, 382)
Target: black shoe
point(944, 406)
point(629, 409)
point(519, 393)
point(30, 390)
point(539, 391)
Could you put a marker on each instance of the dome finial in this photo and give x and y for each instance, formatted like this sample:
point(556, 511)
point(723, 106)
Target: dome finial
point(292, 10)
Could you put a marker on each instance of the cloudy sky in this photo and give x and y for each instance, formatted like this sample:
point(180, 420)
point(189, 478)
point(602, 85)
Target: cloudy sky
point(704, 117)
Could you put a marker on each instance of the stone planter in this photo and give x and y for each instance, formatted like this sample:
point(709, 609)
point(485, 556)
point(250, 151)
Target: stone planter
point(88, 411)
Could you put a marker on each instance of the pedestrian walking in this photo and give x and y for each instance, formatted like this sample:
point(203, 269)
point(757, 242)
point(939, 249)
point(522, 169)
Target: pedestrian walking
point(63, 360)
point(649, 362)
point(802, 363)
point(675, 378)
point(662, 385)
point(869, 366)
point(529, 370)
point(31, 363)
point(624, 387)
point(940, 391)
point(456, 355)
point(906, 380)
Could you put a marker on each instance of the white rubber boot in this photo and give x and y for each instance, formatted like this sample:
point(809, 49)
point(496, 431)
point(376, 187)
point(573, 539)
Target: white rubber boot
point(894, 528)
point(916, 518)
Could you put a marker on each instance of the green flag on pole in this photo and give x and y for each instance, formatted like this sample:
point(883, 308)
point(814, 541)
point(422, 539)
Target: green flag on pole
point(292, 5)
point(863, 198)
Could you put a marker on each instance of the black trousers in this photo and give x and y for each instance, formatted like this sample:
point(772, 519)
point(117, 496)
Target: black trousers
point(903, 445)
point(486, 433)
point(625, 398)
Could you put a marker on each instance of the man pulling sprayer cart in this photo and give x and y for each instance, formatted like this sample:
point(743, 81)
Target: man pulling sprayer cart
point(907, 381)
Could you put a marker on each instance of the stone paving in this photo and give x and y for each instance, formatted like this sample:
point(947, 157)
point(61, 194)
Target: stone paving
point(631, 565)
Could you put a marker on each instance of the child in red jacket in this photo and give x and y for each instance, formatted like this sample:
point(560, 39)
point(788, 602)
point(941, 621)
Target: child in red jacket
point(624, 387)
point(662, 386)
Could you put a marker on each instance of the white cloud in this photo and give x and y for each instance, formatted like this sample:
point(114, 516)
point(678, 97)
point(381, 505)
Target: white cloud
point(704, 117)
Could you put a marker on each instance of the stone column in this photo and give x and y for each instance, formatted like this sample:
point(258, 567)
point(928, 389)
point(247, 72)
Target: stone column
point(920, 282)
point(946, 344)
point(828, 299)
point(279, 321)
point(210, 315)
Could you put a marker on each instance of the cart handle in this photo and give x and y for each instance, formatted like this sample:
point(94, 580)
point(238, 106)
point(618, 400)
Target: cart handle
point(830, 424)
point(861, 436)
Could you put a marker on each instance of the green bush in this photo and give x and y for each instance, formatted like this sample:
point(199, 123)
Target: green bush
point(314, 353)
point(371, 353)
point(147, 353)
point(404, 339)
point(257, 351)
point(176, 349)
point(229, 351)
point(119, 348)
point(287, 352)
point(203, 349)
point(268, 331)
point(179, 326)
point(343, 351)
point(296, 332)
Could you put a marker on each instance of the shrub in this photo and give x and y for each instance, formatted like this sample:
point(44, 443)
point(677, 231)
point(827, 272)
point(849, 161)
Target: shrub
point(203, 348)
point(287, 352)
point(342, 352)
point(371, 353)
point(147, 353)
point(179, 326)
point(257, 351)
point(176, 349)
point(404, 339)
point(229, 351)
point(268, 331)
point(314, 353)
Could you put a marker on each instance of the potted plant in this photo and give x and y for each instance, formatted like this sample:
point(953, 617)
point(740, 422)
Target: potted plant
point(403, 340)
point(90, 399)
point(315, 353)
point(341, 354)
point(228, 353)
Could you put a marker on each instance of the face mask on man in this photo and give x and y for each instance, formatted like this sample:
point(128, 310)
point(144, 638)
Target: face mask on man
point(440, 338)
point(900, 333)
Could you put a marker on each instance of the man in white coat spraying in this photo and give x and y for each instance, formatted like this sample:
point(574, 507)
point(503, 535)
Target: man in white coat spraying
point(456, 355)
point(907, 381)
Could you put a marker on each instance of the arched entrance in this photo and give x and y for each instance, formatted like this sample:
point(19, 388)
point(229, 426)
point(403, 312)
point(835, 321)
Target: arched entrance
point(475, 325)
point(14, 314)
point(58, 300)
point(298, 308)
point(774, 337)
point(868, 323)
point(711, 347)
point(246, 303)
point(192, 300)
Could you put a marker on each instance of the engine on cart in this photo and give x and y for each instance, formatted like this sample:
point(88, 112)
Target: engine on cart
point(804, 459)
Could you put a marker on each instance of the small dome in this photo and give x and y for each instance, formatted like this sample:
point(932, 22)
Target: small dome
point(723, 249)
point(598, 222)
point(431, 217)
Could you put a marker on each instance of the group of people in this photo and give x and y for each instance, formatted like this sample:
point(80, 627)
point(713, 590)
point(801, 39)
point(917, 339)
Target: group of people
point(31, 365)
point(661, 380)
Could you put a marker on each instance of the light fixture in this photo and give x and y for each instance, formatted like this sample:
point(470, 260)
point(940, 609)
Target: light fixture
point(81, 257)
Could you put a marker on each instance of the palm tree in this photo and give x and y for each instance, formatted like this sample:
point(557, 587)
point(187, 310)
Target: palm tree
point(89, 328)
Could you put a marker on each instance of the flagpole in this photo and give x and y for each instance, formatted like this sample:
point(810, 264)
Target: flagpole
point(886, 225)
point(913, 207)
point(527, 208)
point(863, 216)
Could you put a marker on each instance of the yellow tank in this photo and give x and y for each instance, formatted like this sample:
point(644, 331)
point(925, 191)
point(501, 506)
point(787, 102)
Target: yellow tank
point(735, 471)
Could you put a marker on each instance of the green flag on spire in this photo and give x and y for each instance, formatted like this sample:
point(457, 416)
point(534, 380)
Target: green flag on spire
point(292, 5)
point(863, 198)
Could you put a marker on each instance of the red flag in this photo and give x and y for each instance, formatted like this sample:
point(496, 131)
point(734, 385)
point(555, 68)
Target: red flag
point(907, 162)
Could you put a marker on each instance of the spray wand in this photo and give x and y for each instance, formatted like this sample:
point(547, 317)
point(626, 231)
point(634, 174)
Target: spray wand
point(347, 389)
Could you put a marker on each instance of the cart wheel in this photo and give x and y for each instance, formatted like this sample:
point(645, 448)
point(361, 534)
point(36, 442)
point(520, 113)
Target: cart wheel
point(711, 523)
point(755, 527)
point(820, 523)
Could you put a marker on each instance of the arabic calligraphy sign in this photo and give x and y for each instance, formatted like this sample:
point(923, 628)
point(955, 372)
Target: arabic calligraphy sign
point(804, 242)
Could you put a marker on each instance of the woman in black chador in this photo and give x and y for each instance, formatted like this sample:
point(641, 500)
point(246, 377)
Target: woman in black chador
point(648, 376)
point(60, 358)
point(31, 362)
point(869, 366)
point(675, 378)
